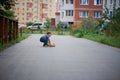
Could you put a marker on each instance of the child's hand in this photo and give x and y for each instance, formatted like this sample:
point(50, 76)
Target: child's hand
point(51, 44)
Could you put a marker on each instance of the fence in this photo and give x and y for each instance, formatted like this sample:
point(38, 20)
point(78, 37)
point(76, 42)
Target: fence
point(8, 30)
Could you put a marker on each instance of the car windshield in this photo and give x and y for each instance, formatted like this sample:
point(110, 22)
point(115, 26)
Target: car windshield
point(37, 24)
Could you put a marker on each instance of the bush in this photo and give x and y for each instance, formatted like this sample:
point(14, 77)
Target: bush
point(29, 23)
point(113, 22)
point(73, 29)
point(59, 28)
point(80, 33)
point(88, 24)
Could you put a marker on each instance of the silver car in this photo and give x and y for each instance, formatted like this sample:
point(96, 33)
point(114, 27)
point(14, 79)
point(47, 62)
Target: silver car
point(36, 25)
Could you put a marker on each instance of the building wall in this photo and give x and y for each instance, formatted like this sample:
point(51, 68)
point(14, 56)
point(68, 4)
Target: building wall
point(62, 7)
point(56, 6)
point(26, 10)
point(90, 8)
point(77, 9)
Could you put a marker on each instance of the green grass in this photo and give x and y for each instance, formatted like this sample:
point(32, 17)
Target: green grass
point(112, 41)
point(54, 32)
point(24, 36)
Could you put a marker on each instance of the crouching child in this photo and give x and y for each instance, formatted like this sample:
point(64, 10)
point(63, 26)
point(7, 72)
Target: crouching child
point(45, 39)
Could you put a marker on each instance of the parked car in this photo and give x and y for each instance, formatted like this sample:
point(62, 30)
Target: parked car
point(36, 25)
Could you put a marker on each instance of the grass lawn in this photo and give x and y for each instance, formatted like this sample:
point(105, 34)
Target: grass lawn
point(54, 32)
point(24, 36)
point(112, 41)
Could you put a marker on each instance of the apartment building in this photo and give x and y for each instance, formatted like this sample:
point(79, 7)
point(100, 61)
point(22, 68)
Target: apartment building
point(110, 4)
point(66, 10)
point(34, 10)
point(48, 9)
point(87, 8)
point(74, 11)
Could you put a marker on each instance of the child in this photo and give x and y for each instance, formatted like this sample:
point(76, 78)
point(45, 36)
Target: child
point(46, 40)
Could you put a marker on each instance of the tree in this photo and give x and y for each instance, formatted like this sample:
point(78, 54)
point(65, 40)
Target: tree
point(88, 24)
point(5, 8)
point(114, 24)
point(111, 24)
point(29, 23)
point(59, 28)
point(48, 22)
point(7, 4)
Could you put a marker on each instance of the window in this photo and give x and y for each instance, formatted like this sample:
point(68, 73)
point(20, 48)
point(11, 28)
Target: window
point(22, 13)
point(46, 14)
point(84, 14)
point(28, 14)
point(27, 9)
point(67, 2)
point(27, 19)
point(62, 14)
point(110, 1)
point(71, 1)
point(84, 2)
point(69, 12)
point(114, 1)
point(29, 4)
point(119, 2)
point(111, 13)
point(62, 2)
point(23, 4)
point(59, 7)
point(105, 2)
point(97, 14)
point(97, 2)
point(18, 4)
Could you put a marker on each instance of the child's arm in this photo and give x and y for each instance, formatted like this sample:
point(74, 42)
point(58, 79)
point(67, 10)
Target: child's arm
point(49, 42)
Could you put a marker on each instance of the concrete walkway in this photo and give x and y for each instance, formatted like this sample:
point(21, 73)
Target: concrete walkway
point(72, 59)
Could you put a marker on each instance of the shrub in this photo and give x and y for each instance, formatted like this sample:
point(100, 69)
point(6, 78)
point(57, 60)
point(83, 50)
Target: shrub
point(59, 28)
point(80, 33)
point(29, 23)
point(88, 24)
point(73, 29)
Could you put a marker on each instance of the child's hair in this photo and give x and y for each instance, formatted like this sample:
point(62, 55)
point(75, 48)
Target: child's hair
point(49, 33)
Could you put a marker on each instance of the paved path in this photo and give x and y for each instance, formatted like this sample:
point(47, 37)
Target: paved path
point(72, 59)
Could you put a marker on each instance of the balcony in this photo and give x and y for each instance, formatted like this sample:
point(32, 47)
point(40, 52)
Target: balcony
point(44, 6)
point(67, 18)
point(67, 6)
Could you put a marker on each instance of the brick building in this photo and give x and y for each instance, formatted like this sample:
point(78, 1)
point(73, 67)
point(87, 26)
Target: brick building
point(73, 11)
point(86, 9)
